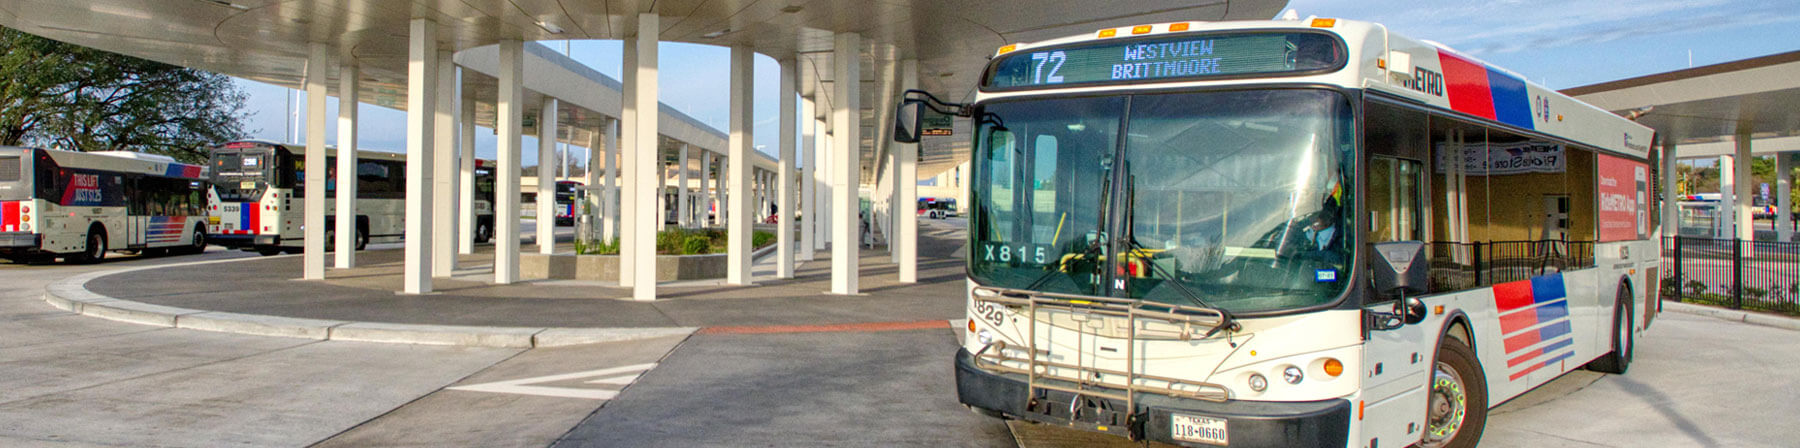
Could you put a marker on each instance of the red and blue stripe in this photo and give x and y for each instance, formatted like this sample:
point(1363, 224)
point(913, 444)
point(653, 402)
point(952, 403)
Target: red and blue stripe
point(165, 229)
point(182, 170)
point(1477, 89)
point(1534, 323)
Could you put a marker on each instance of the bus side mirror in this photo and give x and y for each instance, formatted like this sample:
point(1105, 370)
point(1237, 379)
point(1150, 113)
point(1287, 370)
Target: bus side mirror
point(1399, 268)
point(907, 120)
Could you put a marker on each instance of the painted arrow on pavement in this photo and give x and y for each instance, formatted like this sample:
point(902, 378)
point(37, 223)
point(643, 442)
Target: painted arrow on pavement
point(532, 386)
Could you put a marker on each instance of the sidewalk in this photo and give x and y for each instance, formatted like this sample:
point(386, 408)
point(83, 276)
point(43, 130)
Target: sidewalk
point(365, 295)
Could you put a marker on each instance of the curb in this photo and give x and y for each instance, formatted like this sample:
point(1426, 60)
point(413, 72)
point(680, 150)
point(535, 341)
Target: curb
point(1734, 315)
point(71, 294)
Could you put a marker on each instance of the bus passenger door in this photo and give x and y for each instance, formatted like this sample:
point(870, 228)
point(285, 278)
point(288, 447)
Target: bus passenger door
point(1396, 362)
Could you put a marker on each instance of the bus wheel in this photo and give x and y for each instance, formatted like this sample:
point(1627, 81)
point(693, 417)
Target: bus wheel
point(1622, 343)
point(268, 251)
point(1457, 410)
point(483, 233)
point(96, 247)
point(199, 245)
point(362, 239)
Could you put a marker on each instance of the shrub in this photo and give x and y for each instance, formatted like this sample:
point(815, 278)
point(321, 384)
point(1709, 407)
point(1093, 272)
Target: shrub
point(696, 245)
point(670, 241)
point(760, 239)
point(597, 248)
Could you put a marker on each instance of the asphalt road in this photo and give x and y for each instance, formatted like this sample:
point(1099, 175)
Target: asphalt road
point(70, 380)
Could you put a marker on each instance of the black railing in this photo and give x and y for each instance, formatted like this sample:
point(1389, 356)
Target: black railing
point(1457, 266)
point(1753, 275)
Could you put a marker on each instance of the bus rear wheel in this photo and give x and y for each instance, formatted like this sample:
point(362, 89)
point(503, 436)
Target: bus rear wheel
point(1456, 412)
point(198, 246)
point(268, 251)
point(96, 247)
point(1622, 344)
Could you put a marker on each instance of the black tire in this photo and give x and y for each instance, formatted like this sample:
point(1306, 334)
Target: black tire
point(1457, 386)
point(268, 251)
point(96, 247)
point(484, 232)
point(198, 246)
point(362, 238)
point(1624, 339)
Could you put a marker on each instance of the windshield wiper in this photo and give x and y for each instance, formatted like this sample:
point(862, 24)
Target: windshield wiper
point(1226, 321)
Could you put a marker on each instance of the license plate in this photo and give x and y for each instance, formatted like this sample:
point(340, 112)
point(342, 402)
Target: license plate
point(247, 185)
point(1198, 429)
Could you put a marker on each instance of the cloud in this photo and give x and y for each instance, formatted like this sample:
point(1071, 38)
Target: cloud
point(1495, 27)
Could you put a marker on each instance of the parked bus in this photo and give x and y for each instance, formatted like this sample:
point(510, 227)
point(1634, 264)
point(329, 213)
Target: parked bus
point(937, 208)
point(1289, 233)
point(79, 205)
point(568, 193)
point(257, 200)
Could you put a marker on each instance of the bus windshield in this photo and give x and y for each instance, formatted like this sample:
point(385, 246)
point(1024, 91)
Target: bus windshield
point(1237, 199)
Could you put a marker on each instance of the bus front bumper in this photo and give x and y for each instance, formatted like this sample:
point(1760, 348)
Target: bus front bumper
point(1248, 423)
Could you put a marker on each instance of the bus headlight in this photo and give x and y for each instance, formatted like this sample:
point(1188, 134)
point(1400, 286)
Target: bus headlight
point(1258, 383)
point(25, 226)
point(984, 337)
point(1293, 375)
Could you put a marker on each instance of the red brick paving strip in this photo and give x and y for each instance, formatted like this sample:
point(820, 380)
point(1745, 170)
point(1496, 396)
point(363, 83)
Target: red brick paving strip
point(833, 328)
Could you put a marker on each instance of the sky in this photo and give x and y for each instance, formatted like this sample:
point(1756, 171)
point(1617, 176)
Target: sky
point(1555, 43)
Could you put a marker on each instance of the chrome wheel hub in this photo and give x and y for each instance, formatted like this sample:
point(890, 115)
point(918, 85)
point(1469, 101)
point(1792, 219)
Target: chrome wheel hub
point(1447, 407)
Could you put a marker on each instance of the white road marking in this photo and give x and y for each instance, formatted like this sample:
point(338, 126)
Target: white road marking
point(525, 386)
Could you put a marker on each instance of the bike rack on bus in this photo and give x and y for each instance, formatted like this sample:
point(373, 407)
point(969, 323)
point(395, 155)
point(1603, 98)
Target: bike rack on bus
point(1192, 323)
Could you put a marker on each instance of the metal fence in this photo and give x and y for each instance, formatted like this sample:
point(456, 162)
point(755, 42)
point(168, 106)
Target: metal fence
point(1458, 266)
point(1753, 275)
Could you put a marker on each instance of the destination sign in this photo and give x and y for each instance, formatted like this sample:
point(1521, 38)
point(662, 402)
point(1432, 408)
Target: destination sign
point(1181, 57)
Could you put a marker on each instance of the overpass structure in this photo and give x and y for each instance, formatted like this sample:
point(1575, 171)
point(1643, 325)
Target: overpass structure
point(452, 65)
point(1732, 111)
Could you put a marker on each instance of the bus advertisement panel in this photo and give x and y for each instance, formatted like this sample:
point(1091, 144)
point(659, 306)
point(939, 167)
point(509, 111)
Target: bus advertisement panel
point(1624, 196)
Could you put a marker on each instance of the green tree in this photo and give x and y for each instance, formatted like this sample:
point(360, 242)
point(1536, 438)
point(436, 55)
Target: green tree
point(59, 95)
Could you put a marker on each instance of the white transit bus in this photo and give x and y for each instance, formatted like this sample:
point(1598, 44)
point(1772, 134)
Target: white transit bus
point(1289, 233)
point(257, 200)
point(79, 205)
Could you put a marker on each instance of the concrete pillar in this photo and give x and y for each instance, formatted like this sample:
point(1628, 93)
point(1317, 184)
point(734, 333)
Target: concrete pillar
point(1784, 196)
point(807, 203)
point(1671, 207)
point(846, 118)
point(662, 189)
point(509, 106)
point(784, 175)
point(465, 172)
point(346, 164)
point(742, 73)
point(609, 225)
point(421, 129)
point(444, 167)
point(628, 172)
point(684, 212)
point(648, 183)
point(1725, 220)
point(318, 60)
point(822, 181)
point(906, 202)
point(546, 174)
point(1746, 227)
point(596, 147)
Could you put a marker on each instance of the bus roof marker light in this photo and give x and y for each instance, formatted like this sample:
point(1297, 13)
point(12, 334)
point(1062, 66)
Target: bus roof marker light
point(1324, 23)
point(1140, 29)
point(1109, 32)
point(1179, 27)
point(1007, 49)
